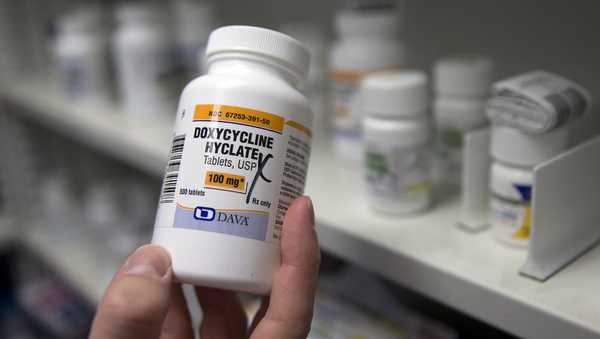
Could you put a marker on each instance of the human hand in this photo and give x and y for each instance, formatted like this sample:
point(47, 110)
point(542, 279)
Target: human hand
point(141, 302)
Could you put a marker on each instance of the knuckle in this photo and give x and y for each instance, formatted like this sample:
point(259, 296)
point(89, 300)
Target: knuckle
point(117, 306)
point(126, 306)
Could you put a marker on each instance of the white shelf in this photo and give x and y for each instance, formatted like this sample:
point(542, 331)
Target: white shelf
point(143, 143)
point(426, 253)
point(470, 272)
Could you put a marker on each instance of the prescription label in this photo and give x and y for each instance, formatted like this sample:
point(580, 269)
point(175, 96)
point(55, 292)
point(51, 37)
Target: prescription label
point(397, 172)
point(449, 150)
point(234, 170)
point(344, 89)
point(511, 218)
point(344, 85)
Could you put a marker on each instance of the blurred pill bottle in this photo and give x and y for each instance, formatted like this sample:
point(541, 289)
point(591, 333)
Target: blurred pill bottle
point(515, 154)
point(146, 70)
point(81, 56)
point(368, 40)
point(397, 134)
point(462, 86)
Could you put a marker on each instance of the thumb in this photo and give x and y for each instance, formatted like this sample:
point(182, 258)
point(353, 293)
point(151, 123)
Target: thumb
point(136, 302)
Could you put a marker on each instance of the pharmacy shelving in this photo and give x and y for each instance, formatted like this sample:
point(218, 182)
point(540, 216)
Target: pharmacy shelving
point(426, 253)
point(141, 141)
point(470, 272)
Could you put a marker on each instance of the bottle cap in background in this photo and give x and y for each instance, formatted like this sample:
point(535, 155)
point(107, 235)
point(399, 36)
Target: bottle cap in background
point(84, 19)
point(313, 35)
point(394, 94)
point(200, 10)
point(464, 75)
point(512, 146)
point(260, 41)
point(139, 12)
point(194, 19)
point(380, 22)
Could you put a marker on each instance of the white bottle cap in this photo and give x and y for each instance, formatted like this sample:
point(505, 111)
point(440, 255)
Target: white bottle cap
point(84, 19)
point(394, 93)
point(195, 19)
point(130, 12)
point(512, 146)
point(260, 41)
point(368, 22)
point(464, 75)
point(201, 10)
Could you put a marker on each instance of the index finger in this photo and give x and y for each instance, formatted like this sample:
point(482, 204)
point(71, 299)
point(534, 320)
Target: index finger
point(292, 298)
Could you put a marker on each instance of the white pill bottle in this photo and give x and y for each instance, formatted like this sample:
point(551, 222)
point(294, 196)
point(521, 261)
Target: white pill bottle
point(368, 40)
point(240, 153)
point(397, 135)
point(462, 85)
point(515, 155)
point(194, 20)
point(81, 57)
point(144, 62)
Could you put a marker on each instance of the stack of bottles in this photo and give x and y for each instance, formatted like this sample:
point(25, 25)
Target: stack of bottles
point(531, 114)
point(409, 143)
point(407, 150)
point(151, 53)
point(368, 40)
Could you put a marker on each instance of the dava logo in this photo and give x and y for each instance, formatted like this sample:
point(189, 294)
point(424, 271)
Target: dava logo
point(204, 213)
point(210, 214)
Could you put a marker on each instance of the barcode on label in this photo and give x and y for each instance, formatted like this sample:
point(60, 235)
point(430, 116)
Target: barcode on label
point(169, 185)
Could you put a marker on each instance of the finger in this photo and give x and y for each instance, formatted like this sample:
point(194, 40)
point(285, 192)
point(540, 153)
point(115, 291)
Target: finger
point(136, 302)
point(222, 314)
point(178, 324)
point(291, 304)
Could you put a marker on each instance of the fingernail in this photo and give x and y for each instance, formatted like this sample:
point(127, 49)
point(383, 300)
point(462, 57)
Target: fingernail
point(311, 210)
point(150, 261)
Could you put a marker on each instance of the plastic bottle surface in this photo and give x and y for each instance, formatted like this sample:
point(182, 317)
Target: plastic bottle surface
point(194, 20)
point(81, 57)
point(146, 71)
point(515, 155)
point(397, 135)
point(462, 85)
point(240, 152)
point(367, 41)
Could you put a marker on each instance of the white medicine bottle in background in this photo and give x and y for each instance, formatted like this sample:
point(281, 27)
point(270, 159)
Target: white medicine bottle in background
point(81, 56)
point(397, 135)
point(193, 22)
point(316, 40)
point(515, 155)
point(462, 85)
point(368, 40)
point(144, 62)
